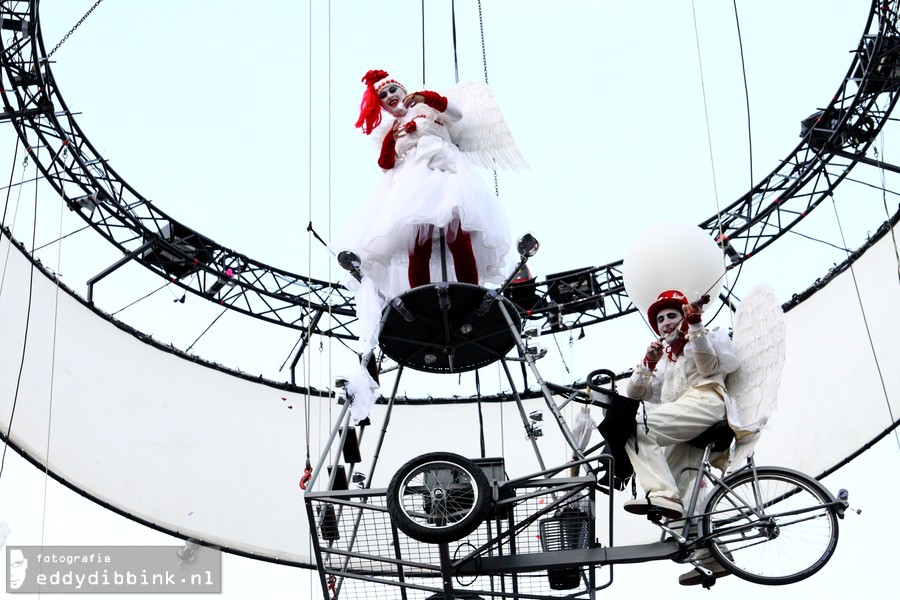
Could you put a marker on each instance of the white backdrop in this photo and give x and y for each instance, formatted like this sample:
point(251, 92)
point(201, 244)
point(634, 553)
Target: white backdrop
point(214, 456)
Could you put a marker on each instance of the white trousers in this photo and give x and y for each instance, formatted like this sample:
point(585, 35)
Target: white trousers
point(662, 452)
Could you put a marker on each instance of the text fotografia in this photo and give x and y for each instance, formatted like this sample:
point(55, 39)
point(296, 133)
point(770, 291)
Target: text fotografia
point(74, 558)
point(113, 569)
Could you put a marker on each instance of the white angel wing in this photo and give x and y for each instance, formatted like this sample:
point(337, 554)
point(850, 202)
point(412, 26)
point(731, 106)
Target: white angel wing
point(482, 133)
point(759, 339)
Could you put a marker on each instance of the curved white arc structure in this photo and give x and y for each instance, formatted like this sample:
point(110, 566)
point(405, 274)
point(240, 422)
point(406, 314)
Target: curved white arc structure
point(204, 454)
point(189, 449)
point(832, 401)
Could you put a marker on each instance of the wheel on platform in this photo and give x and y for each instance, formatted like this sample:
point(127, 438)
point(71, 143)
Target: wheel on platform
point(438, 497)
point(771, 526)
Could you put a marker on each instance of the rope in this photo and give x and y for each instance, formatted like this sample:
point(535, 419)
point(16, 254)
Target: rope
point(712, 162)
point(862, 312)
point(144, 297)
point(896, 259)
point(12, 172)
point(15, 401)
point(737, 22)
point(455, 56)
point(208, 327)
point(423, 42)
point(61, 237)
point(62, 204)
point(330, 214)
point(307, 473)
point(888, 213)
point(728, 285)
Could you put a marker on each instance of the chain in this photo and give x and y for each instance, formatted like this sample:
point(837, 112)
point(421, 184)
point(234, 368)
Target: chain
point(483, 49)
point(71, 31)
point(484, 62)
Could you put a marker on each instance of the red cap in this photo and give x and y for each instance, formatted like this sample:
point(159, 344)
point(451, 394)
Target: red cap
point(668, 299)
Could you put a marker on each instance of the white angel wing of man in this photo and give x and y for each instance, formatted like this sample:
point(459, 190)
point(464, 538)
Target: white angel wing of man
point(759, 339)
point(482, 134)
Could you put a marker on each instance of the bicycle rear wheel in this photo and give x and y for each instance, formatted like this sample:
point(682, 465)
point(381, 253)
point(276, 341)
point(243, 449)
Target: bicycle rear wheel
point(778, 528)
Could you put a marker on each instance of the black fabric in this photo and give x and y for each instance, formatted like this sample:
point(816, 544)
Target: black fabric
point(617, 427)
point(720, 435)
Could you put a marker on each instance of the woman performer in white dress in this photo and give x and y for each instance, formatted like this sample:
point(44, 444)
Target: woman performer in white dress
point(429, 184)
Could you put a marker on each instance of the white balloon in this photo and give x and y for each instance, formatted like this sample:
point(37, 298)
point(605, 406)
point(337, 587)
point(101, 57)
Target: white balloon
point(672, 256)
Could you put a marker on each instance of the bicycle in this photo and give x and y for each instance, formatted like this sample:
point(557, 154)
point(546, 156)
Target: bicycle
point(767, 525)
point(450, 527)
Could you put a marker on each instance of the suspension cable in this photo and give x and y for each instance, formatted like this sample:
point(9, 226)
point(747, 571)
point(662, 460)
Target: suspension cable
point(728, 285)
point(15, 401)
point(455, 54)
point(887, 211)
point(208, 327)
point(862, 312)
point(422, 12)
point(53, 349)
point(12, 172)
point(484, 65)
point(737, 22)
point(144, 297)
point(71, 31)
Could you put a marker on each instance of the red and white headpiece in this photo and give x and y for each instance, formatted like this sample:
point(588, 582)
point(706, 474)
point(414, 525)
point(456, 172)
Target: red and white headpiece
point(370, 107)
point(668, 299)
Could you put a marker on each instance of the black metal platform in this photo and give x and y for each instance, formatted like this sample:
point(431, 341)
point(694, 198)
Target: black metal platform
point(448, 328)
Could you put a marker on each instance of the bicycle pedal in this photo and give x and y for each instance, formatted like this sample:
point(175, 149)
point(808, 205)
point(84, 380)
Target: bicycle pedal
point(655, 514)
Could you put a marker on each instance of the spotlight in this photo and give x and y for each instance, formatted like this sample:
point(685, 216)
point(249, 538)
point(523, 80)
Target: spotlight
point(533, 431)
point(527, 246)
point(349, 261)
point(487, 302)
point(536, 352)
point(398, 305)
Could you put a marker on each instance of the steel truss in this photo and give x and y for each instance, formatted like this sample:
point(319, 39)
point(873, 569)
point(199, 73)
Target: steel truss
point(836, 139)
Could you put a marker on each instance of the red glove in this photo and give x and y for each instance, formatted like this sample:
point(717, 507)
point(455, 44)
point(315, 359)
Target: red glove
point(388, 152)
point(693, 313)
point(654, 353)
point(694, 318)
point(434, 100)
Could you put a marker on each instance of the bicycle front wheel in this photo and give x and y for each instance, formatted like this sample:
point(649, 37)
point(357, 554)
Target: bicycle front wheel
point(773, 527)
point(438, 497)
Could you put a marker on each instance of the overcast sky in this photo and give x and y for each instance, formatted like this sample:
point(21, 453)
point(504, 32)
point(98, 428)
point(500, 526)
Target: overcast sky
point(236, 119)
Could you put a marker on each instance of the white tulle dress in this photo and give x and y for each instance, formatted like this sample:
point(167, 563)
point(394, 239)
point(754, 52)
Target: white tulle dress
point(432, 183)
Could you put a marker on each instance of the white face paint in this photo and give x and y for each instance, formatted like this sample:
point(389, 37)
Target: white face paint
point(668, 322)
point(391, 98)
